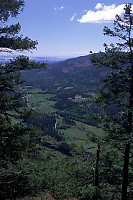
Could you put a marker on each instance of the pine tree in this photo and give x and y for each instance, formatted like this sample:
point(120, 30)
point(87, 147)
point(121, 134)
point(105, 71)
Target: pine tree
point(17, 141)
point(116, 91)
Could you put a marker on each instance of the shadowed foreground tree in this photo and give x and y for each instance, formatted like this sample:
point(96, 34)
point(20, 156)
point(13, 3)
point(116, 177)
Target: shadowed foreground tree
point(116, 91)
point(17, 141)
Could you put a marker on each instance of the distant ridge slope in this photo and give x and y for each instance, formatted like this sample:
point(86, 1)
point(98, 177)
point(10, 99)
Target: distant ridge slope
point(72, 63)
point(76, 73)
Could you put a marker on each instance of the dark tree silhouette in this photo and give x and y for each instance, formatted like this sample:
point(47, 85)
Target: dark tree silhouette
point(116, 90)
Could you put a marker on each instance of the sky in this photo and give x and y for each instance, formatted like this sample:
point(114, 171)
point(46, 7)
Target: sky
point(68, 28)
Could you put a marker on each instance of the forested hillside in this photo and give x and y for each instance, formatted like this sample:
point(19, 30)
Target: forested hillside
point(66, 127)
point(71, 83)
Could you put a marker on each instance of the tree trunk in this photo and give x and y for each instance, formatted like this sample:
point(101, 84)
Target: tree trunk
point(97, 172)
point(125, 172)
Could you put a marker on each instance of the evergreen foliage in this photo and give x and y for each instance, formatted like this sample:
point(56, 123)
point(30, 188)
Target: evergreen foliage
point(34, 156)
point(117, 89)
point(17, 141)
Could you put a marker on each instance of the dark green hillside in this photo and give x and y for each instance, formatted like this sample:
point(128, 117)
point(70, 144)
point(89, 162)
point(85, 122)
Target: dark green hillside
point(65, 90)
point(67, 79)
point(77, 73)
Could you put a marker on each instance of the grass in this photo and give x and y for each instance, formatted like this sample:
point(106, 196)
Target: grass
point(41, 101)
point(98, 132)
point(75, 133)
point(79, 137)
point(47, 107)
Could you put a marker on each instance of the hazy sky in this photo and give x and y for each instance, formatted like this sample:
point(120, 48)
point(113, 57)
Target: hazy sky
point(68, 28)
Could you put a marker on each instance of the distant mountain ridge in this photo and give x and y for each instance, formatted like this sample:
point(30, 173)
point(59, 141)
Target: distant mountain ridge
point(81, 61)
point(4, 58)
point(76, 73)
point(72, 64)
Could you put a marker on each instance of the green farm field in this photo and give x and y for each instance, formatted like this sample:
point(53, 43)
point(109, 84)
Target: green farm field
point(40, 100)
point(79, 134)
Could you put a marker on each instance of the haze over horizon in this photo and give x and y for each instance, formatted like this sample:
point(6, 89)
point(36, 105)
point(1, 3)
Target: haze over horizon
point(68, 28)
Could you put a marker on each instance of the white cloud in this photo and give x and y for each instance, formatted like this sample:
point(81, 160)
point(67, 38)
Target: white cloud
point(98, 6)
point(72, 18)
point(61, 8)
point(105, 15)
